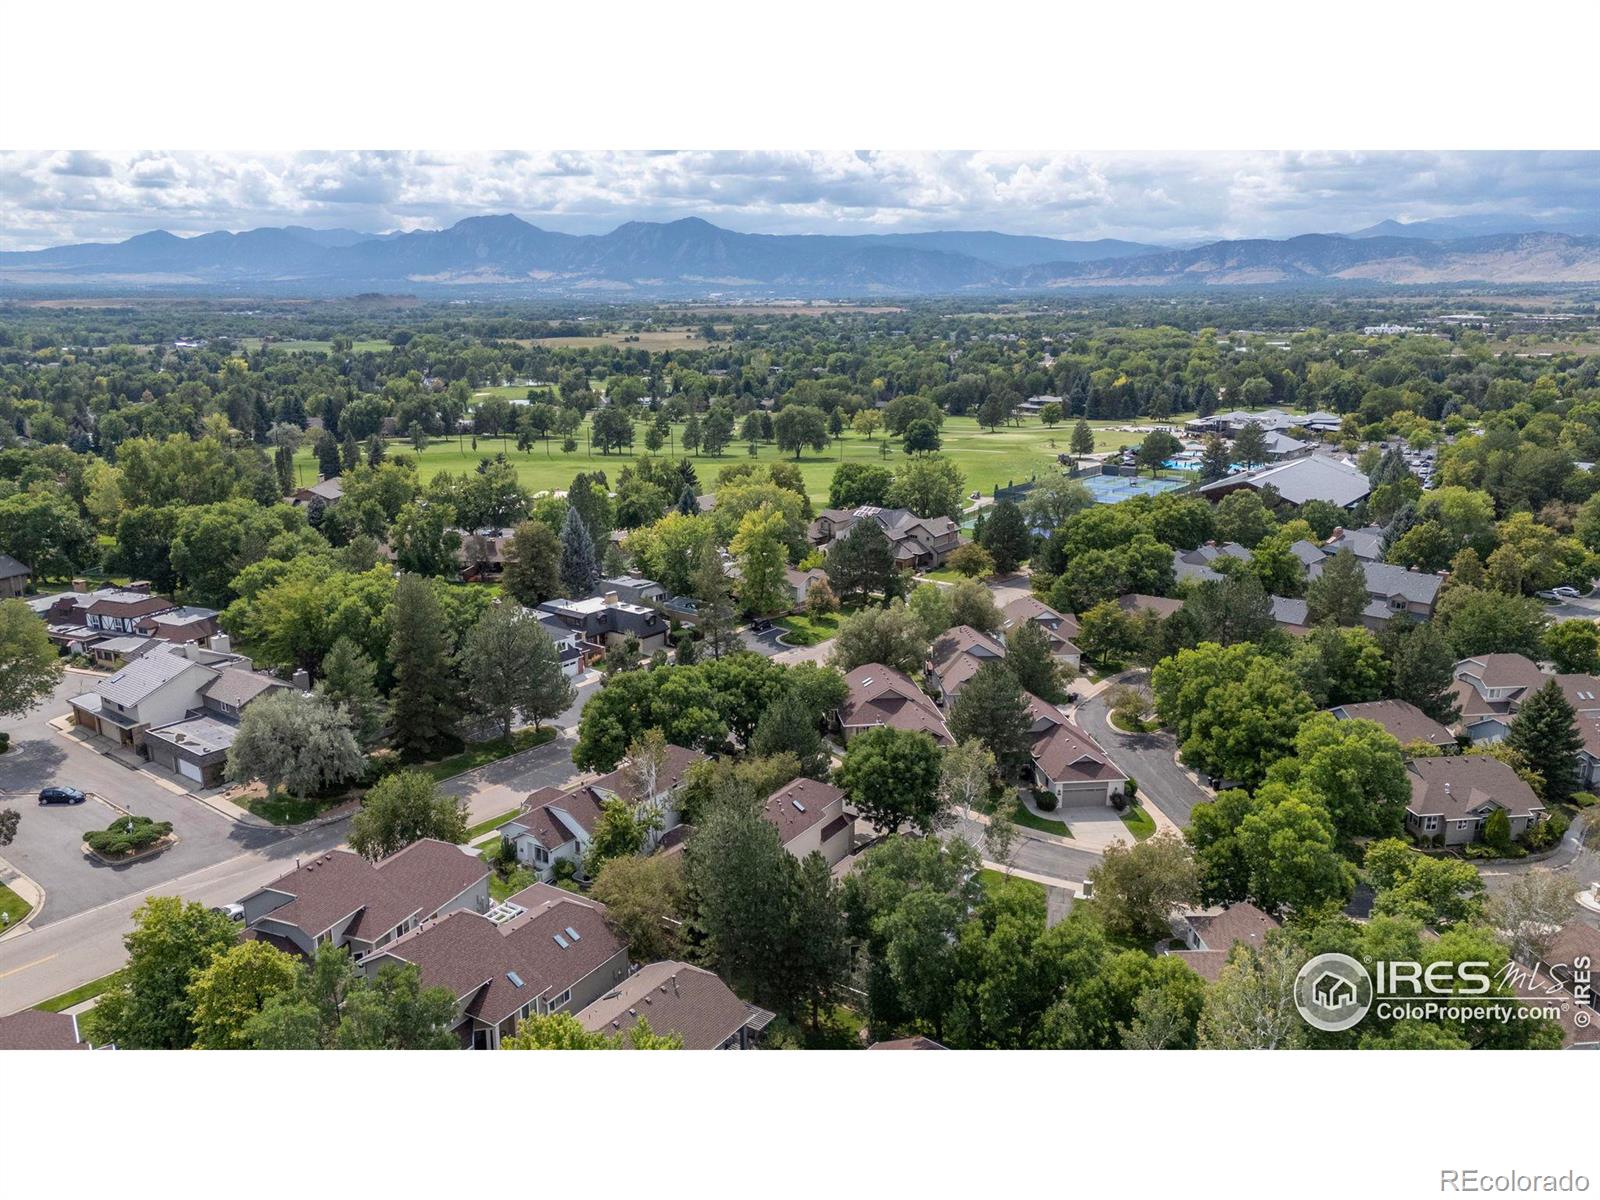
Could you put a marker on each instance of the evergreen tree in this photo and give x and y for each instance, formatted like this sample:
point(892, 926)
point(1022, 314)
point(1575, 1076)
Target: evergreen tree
point(1424, 673)
point(1214, 461)
point(789, 724)
point(1082, 438)
point(533, 564)
point(992, 708)
point(424, 703)
point(1006, 537)
point(580, 569)
point(1036, 670)
point(349, 680)
point(861, 562)
point(511, 666)
point(688, 504)
point(283, 460)
point(715, 619)
point(328, 460)
point(1250, 445)
point(1545, 733)
point(1339, 594)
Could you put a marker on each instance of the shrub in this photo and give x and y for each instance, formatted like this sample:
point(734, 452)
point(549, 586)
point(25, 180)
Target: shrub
point(5, 744)
point(971, 560)
point(1045, 800)
point(127, 835)
point(1497, 831)
point(1581, 799)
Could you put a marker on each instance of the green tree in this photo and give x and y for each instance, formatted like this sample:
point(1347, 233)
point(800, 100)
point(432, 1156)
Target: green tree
point(1288, 841)
point(424, 541)
point(296, 742)
point(929, 604)
point(1082, 438)
point(563, 1031)
point(861, 562)
point(646, 900)
point(232, 989)
point(1029, 656)
point(1339, 593)
point(857, 483)
point(149, 1006)
point(1545, 733)
point(1006, 537)
point(892, 778)
point(404, 808)
point(1158, 446)
point(1435, 891)
point(1242, 516)
point(1482, 622)
point(1424, 673)
point(424, 704)
point(580, 566)
point(1355, 769)
point(1340, 666)
point(930, 486)
point(511, 667)
point(1251, 1006)
point(29, 666)
point(533, 564)
point(798, 426)
point(762, 556)
point(1214, 460)
point(349, 681)
point(992, 709)
point(973, 604)
point(44, 530)
point(1138, 887)
point(619, 832)
point(891, 636)
point(1574, 647)
point(1250, 445)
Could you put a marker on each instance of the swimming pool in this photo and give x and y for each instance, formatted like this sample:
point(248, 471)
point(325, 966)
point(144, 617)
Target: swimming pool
point(1113, 489)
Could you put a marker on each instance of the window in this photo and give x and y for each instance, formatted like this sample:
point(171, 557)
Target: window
point(561, 1000)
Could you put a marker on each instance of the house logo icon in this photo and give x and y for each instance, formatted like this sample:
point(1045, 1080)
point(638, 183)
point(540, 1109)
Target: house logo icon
point(1333, 992)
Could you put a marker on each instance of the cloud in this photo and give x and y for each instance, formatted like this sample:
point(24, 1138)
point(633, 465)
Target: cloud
point(51, 198)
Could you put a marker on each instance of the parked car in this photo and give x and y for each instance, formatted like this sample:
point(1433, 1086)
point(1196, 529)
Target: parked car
point(1567, 592)
point(760, 625)
point(234, 912)
point(61, 795)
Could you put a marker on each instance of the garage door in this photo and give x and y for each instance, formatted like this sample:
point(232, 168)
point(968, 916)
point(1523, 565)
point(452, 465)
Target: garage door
point(190, 770)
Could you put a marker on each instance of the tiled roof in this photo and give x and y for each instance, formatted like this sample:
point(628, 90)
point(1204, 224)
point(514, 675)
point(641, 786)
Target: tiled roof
point(673, 997)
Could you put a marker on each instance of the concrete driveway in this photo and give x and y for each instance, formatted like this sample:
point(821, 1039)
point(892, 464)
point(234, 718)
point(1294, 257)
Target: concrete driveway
point(46, 848)
point(1095, 827)
point(1147, 757)
point(502, 786)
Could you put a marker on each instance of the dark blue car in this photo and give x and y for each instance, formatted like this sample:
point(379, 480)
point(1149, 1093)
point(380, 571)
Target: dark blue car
point(61, 795)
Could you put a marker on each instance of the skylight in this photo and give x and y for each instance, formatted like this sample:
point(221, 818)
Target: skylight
point(516, 980)
point(561, 941)
point(573, 934)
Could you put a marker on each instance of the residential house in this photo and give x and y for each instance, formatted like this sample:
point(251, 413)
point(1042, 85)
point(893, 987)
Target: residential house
point(115, 653)
point(181, 626)
point(1563, 977)
point(635, 589)
point(482, 554)
point(1291, 615)
point(1137, 602)
point(197, 746)
point(920, 543)
point(676, 998)
point(556, 824)
point(328, 491)
point(575, 652)
point(1061, 627)
point(156, 689)
point(533, 953)
point(115, 611)
point(1313, 477)
point(31, 1029)
point(1488, 688)
point(800, 583)
point(341, 898)
point(14, 577)
point(1393, 591)
point(880, 695)
point(1210, 936)
point(1365, 543)
point(1403, 721)
point(956, 656)
point(1309, 553)
point(1197, 563)
point(809, 816)
point(1067, 762)
point(1451, 798)
point(607, 620)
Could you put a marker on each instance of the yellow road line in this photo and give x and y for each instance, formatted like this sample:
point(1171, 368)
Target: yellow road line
point(25, 966)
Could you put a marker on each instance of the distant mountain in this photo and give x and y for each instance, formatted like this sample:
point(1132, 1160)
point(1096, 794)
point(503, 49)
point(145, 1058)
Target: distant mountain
point(693, 258)
point(1481, 225)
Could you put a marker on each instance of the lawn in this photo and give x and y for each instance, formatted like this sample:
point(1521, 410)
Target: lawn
point(489, 826)
point(482, 753)
point(1033, 820)
point(1138, 821)
point(992, 879)
point(79, 994)
point(989, 460)
point(13, 905)
point(803, 630)
point(284, 809)
point(295, 345)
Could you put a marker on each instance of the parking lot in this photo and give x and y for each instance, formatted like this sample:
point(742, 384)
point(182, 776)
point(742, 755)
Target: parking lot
point(48, 843)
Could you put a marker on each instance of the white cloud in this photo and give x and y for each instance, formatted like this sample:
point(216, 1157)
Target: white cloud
point(47, 199)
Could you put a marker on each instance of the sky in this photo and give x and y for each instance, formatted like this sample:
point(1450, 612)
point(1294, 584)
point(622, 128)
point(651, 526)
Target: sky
point(53, 198)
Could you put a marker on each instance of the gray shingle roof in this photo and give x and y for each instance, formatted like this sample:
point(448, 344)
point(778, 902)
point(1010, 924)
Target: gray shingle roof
point(143, 677)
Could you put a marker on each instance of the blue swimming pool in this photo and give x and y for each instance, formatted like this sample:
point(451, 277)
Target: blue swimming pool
point(1113, 489)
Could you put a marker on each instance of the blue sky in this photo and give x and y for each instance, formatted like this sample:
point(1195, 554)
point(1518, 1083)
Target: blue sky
point(66, 196)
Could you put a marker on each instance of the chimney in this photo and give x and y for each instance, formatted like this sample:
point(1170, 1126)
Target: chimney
point(142, 586)
point(220, 642)
point(1338, 532)
point(301, 679)
point(80, 585)
point(609, 598)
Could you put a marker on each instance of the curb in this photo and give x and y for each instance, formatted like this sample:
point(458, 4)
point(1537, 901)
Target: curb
point(37, 904)
point(159, 848)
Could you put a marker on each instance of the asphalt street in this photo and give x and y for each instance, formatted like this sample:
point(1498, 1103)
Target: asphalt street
point(1147, 757)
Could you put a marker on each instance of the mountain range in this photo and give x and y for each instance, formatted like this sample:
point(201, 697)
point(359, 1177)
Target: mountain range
point(691, 257)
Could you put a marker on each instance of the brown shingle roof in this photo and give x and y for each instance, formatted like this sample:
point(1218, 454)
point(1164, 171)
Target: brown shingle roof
point(1220, 932)
point(1162, 606)
point(678, 761)
point(236, 688)
point(1462, 785)
point(1405, 722)
point(1065, 753)
point(675, 998)
point(34, 1030)
point(1031, 608)
point(797, 806)
point(880, 695)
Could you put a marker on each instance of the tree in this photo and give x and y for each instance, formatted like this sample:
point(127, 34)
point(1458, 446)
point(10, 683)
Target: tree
point(820, 600)
point(992, 708)
point(533, 564)
point(296, 742)
point(891, 636)
point(10, 818)
point(1531, 908)
point(1339, 593)
point(1288, 842)
point(619, 832)
point(1574, 647)
point(1252, 1004)
point(1082, 438)
point(1214, 460)
point(335, 1006)
point(1340, 666)
point(930, 486)
point(1250, 445)
point(929, 604)
point(44, 530)
point(645, 899)
point(1424, 673)
point(404, 808)
point(716, 619)
point(790, 725)
point(892, 778)
point(921, 437)
point(1545, 733)
point(966, 775)
point(1029, 655)
point(424, 703)
point(1137, 888)
point(580, 567)
point(1242, 516)
point(762, 555)
point(1158, 446)
point(1355, 769)
point(1054, 501)
point(1000, 834)
point(858, 483)
point(563, 1031)
point(1235, 608)
point(349, 681)
point(973, 604)
point(29, 665)
point(1006, 537)
point(423, 540)
point(611, 429)
point(867, 422)
point(149, 1006)
point(861, 562)
point(511, 666)
point(971, 560)
point(798, 426)
point(233, 988)
point(1482, 622)
point(1435, 891)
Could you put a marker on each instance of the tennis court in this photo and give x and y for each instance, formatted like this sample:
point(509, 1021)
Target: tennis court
point(1113, 489)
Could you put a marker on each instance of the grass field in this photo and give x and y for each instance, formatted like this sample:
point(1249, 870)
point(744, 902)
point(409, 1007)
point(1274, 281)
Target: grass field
point(988, 460)
point(649, 339)
point(291, 345)
point(13, 905)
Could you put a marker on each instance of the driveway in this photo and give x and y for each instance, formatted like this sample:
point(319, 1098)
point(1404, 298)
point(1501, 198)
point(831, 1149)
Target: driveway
point(1095, 826)
point(46, 848)
point(1147, 757)
point(502, 786)
point(1034, 854)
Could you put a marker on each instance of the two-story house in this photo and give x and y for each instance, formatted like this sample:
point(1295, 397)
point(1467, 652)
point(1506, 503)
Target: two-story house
point(155, 689)
point(809, 816)
point(1061, 627)
point(1452, 799)
point(197, 746)
point(956, 656)
point(676, 998)
point(1067, 762)
point(880, 695)
point(605, 620)
point(919, 543)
